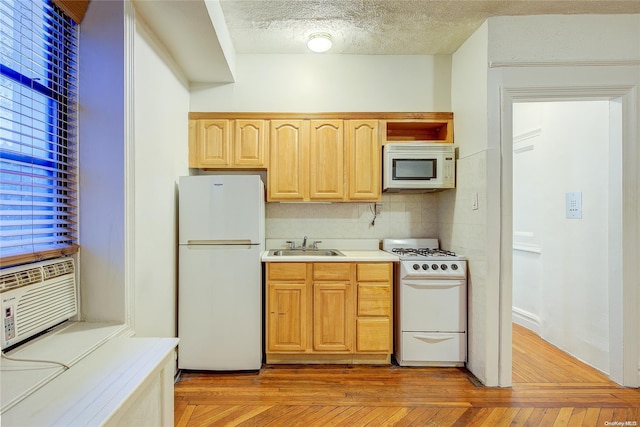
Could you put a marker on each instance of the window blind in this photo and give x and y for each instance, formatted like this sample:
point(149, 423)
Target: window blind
point(38, 130)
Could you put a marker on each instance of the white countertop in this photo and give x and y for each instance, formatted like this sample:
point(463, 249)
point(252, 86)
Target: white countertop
point(349, 256)
point(354, 250)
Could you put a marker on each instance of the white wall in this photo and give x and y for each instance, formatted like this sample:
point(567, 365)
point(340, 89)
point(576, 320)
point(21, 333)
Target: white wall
point(571, 296)
point(101, 163)
point(324, 83)
point(160, 157)
point(564, 39)
point(462, 229)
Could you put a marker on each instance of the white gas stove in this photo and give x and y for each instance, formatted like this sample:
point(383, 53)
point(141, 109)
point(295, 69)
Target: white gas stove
point(431, 302)
point(422, 258)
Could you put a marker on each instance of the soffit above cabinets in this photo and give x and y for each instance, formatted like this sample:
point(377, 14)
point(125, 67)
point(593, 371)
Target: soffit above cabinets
point(194, 34)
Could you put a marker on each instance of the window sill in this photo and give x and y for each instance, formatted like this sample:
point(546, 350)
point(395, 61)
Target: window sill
point(69, 343)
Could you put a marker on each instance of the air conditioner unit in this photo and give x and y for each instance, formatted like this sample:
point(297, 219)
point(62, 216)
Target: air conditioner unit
point(36, 297)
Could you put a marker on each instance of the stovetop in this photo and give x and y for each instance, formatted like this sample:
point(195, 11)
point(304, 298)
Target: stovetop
point(422, 252)
point(418, 250)
point(423, 259)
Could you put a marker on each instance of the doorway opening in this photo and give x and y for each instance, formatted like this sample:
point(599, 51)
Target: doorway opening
point(564, 200)
point(621, 254)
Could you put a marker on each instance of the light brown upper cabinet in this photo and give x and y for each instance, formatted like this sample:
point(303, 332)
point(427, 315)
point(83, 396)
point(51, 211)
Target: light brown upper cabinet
point(316, 157)
point(326, 160)
point(228, 144)
point(306, 160)
point(250, 143)
point(363, 160)
point(288, 171)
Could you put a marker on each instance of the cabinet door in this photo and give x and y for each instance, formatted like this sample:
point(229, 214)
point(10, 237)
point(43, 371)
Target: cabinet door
point(213, 142)
point(326, 160)
point(374, 335)
point(288, 160)
point(332, 317)
point(364, 160)
point(249, 144)
point(286, 325)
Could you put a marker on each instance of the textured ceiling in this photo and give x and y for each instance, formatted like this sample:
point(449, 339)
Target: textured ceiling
point(382, 27)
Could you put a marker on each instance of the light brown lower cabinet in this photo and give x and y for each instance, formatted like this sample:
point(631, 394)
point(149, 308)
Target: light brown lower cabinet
point(329, 312)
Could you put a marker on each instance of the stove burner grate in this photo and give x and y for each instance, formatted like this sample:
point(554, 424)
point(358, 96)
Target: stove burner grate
point(422, 252)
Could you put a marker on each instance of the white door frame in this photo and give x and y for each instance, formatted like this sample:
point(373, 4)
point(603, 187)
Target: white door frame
point(624, 273)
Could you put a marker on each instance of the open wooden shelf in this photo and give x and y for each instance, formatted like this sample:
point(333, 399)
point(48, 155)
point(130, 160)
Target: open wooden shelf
point(419, 130)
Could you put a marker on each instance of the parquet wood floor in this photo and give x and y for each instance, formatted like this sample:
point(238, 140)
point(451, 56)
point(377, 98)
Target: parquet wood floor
point(550, 389)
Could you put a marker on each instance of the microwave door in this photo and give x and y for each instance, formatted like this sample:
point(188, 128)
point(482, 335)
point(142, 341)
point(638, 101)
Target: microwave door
point(414, 169)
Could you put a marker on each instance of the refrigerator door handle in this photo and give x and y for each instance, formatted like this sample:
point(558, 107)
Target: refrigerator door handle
point(221, 242)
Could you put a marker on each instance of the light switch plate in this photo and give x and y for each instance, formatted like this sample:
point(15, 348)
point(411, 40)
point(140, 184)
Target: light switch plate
point(474, 201)
point(574, 205)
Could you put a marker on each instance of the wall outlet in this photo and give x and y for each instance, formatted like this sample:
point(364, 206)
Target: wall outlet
point(378, 208)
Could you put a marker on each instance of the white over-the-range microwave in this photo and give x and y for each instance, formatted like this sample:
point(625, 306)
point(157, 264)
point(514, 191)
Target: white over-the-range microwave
point(418, 167)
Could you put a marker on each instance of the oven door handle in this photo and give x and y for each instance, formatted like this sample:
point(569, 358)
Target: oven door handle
point(439, 284)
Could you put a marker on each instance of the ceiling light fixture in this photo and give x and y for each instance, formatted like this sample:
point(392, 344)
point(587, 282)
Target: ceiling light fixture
point(319, 42)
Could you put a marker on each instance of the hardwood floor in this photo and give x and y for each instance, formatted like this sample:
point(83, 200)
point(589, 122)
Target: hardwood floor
point(550, 389)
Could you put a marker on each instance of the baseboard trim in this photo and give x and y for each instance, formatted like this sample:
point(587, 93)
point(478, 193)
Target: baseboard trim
point(526, 319)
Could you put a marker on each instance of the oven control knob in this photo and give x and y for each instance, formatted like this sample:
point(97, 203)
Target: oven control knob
point(425, 266)
point(454, 266)
point(416, 267)
point(443, 267)
point(434, 266)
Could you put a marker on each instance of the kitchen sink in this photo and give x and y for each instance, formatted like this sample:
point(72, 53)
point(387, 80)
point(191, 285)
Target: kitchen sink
point(305, 252)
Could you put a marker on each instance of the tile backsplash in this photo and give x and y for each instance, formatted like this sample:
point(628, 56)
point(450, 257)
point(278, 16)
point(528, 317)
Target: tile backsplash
point(403, 215)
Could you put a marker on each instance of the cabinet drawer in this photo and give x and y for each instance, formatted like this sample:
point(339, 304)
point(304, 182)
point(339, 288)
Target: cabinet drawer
point(373, 335)
point(433, 347)
point(332, 271)
point(374, 299)
point(378, 272)
point(287, 270)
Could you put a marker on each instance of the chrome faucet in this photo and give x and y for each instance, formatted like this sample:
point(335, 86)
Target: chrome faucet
point(304, 242)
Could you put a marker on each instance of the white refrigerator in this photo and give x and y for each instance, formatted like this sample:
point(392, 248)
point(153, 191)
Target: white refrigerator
point(221, 238)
